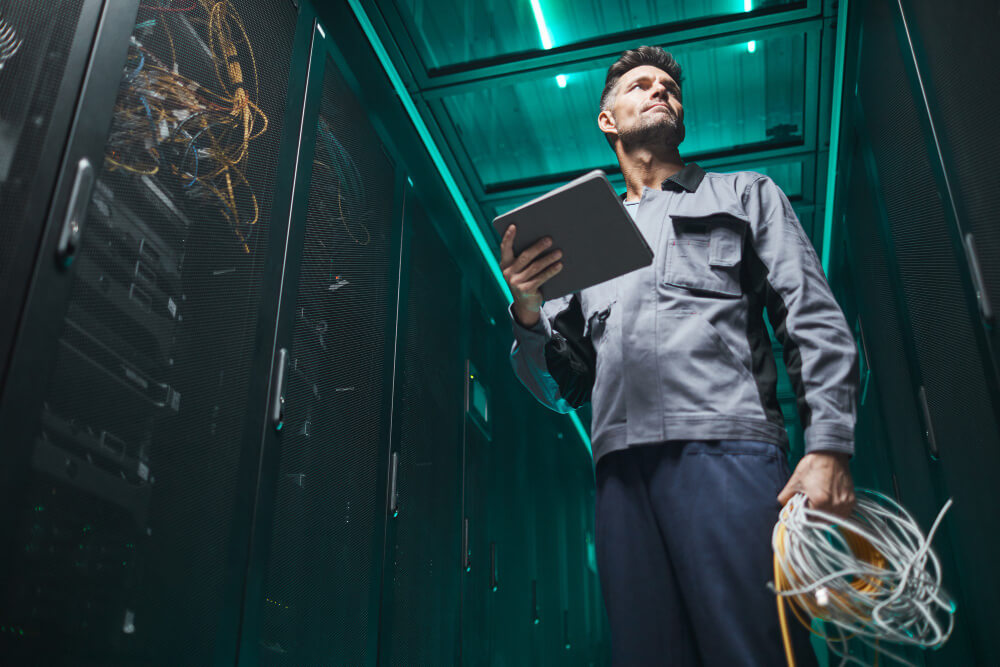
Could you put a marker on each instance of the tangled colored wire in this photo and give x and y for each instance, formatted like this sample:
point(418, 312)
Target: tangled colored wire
point(873, 576)
point(168, 123)
point(348, 204)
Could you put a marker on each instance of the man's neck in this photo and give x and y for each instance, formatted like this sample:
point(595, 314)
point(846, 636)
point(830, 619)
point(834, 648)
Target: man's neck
point(643, 167)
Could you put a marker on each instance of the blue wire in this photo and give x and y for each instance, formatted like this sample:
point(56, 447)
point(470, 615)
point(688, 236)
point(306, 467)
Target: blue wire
point(149, 114)
point(188, 150)
point(142, 61)
point(194, 176)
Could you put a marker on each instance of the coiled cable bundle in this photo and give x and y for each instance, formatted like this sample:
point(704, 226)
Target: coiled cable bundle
point(873, 576)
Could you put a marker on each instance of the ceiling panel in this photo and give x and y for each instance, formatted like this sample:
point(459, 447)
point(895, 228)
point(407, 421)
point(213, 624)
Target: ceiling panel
point(453, 32)
point(735, 96)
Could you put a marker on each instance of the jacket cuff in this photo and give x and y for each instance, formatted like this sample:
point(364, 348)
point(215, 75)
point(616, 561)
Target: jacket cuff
point(829, 438)
point(541, 332)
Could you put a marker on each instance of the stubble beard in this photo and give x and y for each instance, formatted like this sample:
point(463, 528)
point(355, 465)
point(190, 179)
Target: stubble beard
point(653, 132)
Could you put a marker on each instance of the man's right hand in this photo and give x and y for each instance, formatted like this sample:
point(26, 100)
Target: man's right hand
point(526, 273)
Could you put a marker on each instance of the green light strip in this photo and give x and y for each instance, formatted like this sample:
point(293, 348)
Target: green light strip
point(838, 101)
point(449, 181)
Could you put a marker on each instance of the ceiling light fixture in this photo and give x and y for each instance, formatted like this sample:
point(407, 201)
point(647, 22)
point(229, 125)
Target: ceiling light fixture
point(543, 32)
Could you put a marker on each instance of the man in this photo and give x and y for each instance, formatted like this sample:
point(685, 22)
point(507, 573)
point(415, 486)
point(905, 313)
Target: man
point(688, 438)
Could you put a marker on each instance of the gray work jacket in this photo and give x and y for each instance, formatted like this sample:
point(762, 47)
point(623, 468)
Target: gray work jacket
point(682, 349)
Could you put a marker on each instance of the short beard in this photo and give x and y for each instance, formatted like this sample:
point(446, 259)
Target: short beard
point(653, 133)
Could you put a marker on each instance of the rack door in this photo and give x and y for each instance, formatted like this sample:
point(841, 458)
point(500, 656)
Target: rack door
point(423, 570)
point(323, 485)
point(124, 428)
point(44, 49)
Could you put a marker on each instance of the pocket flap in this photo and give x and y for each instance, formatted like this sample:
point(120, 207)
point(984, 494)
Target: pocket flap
point(722, 231)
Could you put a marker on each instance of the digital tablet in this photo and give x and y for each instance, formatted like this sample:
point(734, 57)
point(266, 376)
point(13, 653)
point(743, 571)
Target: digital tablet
point(589, 223)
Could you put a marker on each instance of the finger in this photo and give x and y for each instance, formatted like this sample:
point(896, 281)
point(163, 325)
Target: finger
point(822, 501)
point(530, 253)
point(535, 268)
point(507, 247)
point(544, 277)
point(786, 493)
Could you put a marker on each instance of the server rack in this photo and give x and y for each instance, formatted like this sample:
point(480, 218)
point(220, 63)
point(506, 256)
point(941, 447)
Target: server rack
point(197, 418)
point(423, 560)
point(130, 384)
point(318, 540)
point(922, 290)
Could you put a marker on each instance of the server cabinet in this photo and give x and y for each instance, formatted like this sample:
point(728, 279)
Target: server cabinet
point(882, 325)
point(313, 590)
point(953, 48)
point(130, 386)
point(511, 534)
point(43, 54)
point(550, 499)
point(480, 454)
point(953, 384)
point(423, 564)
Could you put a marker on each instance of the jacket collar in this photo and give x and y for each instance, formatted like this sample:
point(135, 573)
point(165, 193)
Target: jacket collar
point(688, 178)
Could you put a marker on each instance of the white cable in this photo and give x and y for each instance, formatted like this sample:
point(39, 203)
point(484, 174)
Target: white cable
point(905, 603)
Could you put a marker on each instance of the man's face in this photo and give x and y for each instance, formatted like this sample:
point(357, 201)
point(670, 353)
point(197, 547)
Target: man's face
point(646, 111)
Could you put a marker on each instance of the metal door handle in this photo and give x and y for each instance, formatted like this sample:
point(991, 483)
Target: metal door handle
point(394, 497)
point(278, 389)
point(982, 296)
point(76, 211)
point(493, 567)
point(466, 556)
point(932, 445)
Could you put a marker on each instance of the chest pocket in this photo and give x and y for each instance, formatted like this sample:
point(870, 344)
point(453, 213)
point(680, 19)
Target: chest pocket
point(704, 253)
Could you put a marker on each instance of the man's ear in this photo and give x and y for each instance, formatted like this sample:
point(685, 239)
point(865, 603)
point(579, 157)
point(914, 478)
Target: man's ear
point(606, 121)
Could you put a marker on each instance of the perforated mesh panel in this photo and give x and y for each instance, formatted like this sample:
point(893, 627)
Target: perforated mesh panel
point(965, 92)
point(126, 526)
point(882, 325)
point(420, 617)
point(328, 517)
point(35, 39)
point(951, 365)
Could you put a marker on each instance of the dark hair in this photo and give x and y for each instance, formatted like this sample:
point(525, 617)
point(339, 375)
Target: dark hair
point(644, 55)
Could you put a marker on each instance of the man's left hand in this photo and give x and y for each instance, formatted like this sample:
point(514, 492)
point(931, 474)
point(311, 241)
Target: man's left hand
point(825, 478)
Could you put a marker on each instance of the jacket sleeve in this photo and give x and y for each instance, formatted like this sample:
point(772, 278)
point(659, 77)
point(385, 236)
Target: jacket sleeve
point(527, 355)
point(819, 350)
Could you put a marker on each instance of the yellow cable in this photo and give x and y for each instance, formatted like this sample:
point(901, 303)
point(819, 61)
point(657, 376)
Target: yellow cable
point(862, 550)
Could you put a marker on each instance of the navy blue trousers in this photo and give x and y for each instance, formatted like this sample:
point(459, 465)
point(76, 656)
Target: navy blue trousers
point(683, 539)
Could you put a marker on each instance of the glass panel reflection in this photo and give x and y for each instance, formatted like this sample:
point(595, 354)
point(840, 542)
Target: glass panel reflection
point(732, 98)
point(447, 32)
